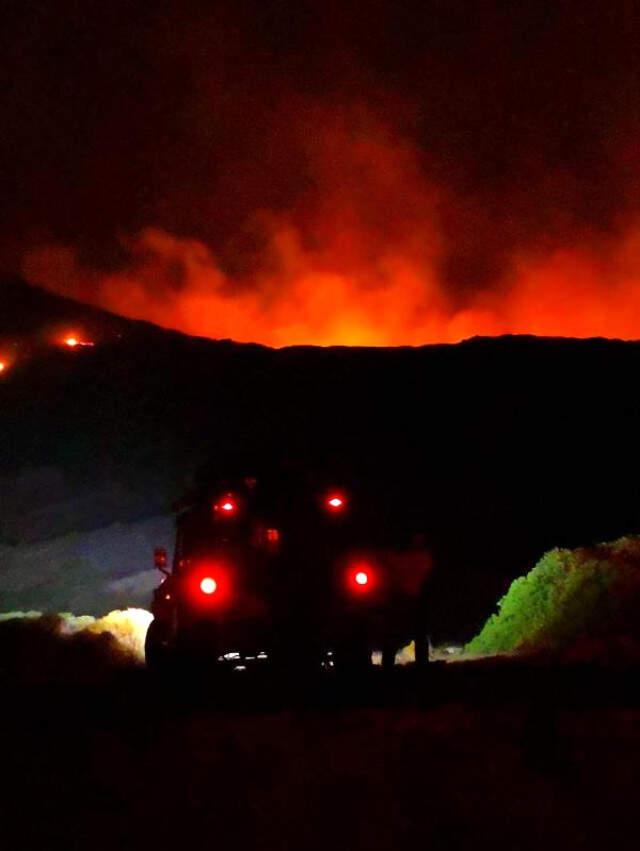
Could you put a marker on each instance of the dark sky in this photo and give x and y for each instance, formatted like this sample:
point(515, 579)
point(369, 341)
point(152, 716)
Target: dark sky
point(380, 172)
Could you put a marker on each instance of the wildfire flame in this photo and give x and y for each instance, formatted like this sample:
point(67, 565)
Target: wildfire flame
point(359, 262)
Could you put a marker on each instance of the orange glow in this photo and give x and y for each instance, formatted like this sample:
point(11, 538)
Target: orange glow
point(71, 342)
point(208, 585)
point(359, 261)
point(7, 361)
point(570, 292)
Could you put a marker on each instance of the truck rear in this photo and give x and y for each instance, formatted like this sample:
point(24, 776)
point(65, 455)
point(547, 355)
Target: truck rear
point(290, 572)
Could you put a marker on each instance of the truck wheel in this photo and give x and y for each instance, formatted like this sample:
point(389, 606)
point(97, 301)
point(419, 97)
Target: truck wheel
point(353, 660)
point(388, 657)
point(422, 650)
point(156, 648)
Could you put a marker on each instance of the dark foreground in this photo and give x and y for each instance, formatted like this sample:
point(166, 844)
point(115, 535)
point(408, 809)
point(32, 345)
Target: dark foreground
point(468, 757)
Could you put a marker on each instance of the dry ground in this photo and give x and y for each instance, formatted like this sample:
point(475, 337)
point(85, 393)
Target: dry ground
point(481, 762)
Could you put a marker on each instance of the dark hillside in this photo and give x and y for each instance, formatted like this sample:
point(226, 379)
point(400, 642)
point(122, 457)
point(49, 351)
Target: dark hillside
point(502, 447)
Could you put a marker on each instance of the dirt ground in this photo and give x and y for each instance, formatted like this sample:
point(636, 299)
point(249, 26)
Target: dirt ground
point(130, 763)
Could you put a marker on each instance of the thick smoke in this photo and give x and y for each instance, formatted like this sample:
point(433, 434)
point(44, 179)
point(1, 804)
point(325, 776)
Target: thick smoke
point(319, 173)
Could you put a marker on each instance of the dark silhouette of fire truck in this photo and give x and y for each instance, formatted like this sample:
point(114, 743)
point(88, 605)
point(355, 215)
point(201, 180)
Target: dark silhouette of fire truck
point(293, 571)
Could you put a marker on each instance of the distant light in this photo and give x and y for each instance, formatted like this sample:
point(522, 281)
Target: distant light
point(74, 342)
point(208, 585)
point(228, 506)
point(3, 366)
point(361, 577)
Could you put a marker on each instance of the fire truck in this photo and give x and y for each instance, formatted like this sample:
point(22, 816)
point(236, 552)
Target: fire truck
point(295, 572)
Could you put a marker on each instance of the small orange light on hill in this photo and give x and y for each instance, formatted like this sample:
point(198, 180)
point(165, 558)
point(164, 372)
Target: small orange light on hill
point(74, 341)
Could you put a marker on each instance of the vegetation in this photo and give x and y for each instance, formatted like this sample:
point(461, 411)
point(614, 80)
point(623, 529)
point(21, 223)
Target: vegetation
point(590, 593)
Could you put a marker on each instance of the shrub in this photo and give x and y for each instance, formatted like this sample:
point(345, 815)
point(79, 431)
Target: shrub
point(570, 595)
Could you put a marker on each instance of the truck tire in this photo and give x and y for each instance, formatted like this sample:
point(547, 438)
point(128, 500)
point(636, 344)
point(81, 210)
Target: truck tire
point(421, 643)
point(352, 659)
point(156, 648)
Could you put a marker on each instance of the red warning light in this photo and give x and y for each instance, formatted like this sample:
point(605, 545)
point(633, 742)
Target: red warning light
point(226, 506)
point(208, 585)
point(361, 578)
point(335, 502)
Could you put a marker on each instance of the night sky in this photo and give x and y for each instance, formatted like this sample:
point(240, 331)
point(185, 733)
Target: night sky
point(327, 172)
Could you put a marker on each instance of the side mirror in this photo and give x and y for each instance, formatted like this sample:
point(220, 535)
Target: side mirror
point(160, 560)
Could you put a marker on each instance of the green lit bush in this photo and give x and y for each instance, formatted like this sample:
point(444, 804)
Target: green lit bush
point(570, 595)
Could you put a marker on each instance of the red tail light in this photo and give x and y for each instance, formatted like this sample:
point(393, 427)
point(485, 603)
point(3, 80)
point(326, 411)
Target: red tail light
point(208, 585)
point(361, 578)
